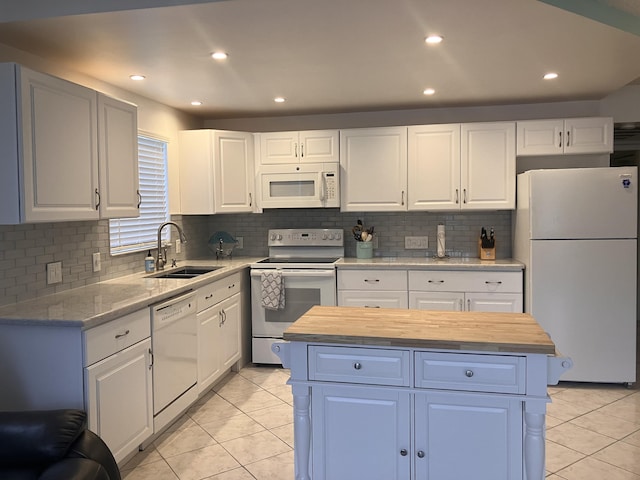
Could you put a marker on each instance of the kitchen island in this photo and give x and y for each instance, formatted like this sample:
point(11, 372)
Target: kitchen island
point(408, 394)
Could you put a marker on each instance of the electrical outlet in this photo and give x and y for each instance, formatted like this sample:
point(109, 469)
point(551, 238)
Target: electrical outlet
point(54, 273)
point(97, 265)
point(240, 244)
point(416, 243)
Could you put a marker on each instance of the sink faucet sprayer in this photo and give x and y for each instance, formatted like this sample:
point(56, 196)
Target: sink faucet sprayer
point(161, 261)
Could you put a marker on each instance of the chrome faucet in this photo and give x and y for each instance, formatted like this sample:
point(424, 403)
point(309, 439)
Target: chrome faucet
point(161, 261)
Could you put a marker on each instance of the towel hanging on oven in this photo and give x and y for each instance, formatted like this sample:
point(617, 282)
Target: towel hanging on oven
point(272, 290)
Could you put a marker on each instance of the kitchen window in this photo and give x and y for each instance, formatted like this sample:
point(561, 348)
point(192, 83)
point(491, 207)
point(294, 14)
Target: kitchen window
point(128, 235)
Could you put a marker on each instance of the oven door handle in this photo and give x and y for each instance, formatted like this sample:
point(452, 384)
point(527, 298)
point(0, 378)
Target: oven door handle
point(295, 273)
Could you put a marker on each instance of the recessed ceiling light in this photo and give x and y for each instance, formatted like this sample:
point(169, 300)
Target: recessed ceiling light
point(429, 91)
point(550, 76)
point(433, 39)
point(219, 55)
point(279, 99)
point(137, 77)
point(196, 103)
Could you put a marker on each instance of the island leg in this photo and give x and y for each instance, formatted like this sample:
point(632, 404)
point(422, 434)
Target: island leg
point(301, 430)
point(534, 449)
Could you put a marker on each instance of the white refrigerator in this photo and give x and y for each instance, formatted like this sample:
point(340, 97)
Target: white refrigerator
point(576, 232)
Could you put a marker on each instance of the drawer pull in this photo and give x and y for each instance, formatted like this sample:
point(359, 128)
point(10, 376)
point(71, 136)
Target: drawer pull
point(469, 373)
point(420, 454)
point(372, 306)
point(120, 335)
point(371, 281)
point(357, 365)
point(493, 283)
point(436, 281)
point(232, 285)
point(403, 452)
point(208, 297)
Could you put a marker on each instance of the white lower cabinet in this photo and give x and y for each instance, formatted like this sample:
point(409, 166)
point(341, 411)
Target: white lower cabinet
point(118, 382)
point(219, 320)
point(457, 417)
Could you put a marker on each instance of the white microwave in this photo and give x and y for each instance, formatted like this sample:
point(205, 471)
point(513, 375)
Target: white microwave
point(300, 185)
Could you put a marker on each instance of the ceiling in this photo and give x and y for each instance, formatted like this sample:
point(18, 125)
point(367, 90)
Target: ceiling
point(327, 56)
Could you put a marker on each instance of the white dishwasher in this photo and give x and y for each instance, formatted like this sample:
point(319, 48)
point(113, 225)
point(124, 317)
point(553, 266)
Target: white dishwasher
point(175, 370)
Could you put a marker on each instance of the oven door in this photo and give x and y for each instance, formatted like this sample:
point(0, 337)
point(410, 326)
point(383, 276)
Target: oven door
point(302, 290)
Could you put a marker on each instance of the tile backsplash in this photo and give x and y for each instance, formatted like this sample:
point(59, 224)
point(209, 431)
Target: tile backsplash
point(26, 249)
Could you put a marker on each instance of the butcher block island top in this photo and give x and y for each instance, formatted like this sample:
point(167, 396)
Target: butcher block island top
point(492, 332)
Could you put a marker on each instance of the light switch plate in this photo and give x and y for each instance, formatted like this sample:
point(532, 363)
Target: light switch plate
point(416, 243)
point(240, 244)
point(54, 273)
point(96, 262)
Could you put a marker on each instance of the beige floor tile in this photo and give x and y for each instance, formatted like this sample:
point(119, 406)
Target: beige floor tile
point(235, 385)
point(551, 421)
point(553, 476)
point(623, 455)
point(593, 393)
point(578, 438)
point(148, 455)
point(592, 469)
point(183, 440)
point(255, 447)
point(633, 439)
point(255, 401)
point(609, 425)
point(216, 408)
point(266, 377)
point(185, 421)
point(279, 467)
point(284, 433)
point(283, 392)
point(203, 463)
point(159, 470)
point(627, 409)
point(272, 417)
point(235, 474)
point(558, 456)
point(566, 411)
point(232, 427)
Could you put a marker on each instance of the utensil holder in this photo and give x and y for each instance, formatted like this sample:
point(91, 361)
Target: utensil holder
point(364, 249)
point(487, 253)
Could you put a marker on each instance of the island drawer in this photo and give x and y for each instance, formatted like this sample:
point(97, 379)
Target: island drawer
point(359, 365)
point(217, 291)
point(372, 279)
point(470, 372)
point(111, 337)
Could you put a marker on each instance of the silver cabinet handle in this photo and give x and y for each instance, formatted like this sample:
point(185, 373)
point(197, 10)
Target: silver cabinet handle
point(499, 282)
point(469, 373)
point(403, 452)
point(139, 199)
point(420, 454)
point(250, 199)
point(301, 150)
point(208, 297)
point(402, 202)
point(375, 280)
point(559, 139)
point(457, 196)
point(357, 365)
point(468, 304)
point(120, 335)
point(151, 357)
point(295, 150)
point(97, 199)
point(372, 306)
point(568, 138)
point(436, 281)
point(464, 194)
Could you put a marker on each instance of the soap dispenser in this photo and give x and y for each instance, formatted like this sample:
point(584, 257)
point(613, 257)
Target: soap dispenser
point(149, 263)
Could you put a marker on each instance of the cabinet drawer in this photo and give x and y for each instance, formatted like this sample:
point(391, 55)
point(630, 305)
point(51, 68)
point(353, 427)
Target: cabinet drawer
point(359, 365)
point(470, 372)
point(217, 291)
point(111, 337)
point(484, 281)
point(359, 298)
point(372, 280)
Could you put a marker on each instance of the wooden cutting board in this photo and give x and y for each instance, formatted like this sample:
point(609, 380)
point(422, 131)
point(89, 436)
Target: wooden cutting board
point(494, 332)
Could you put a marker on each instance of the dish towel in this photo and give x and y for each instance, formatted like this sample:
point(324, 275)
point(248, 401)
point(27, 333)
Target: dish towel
point(272, 290)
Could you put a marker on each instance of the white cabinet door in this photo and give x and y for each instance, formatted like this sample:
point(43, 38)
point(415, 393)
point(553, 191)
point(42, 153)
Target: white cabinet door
point(494, 302)
point(229, 331)
point(216, 172)
point(360, 433)
point(467, 436)
point(118, 158)
point(209, 345)
point(446, 301)
point(374, 169)
point(565, 136)
point(434, 167)
point(119, 398)
point(310, 146)
point(60, 148)
point(488, 166)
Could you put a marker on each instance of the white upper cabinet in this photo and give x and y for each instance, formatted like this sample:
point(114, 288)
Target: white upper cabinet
point(462, 166)
point(118, 155)
point(216, 172)
point(374, 169)
point(311, 146)
point(56, 166)
point(565, 136)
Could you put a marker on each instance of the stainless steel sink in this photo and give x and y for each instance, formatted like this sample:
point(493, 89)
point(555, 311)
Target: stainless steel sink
point(184, 272)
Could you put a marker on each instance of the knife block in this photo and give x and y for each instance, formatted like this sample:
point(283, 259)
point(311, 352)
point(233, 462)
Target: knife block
point(487, 253)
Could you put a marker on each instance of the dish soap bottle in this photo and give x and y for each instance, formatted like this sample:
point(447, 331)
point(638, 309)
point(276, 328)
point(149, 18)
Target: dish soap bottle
point(149, 263)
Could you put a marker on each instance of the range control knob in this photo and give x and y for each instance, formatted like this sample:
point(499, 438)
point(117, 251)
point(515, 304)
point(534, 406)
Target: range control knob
point(331, 236)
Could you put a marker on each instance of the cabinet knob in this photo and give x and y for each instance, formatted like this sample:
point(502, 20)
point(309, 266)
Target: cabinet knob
point(469, 373)
point(403, 452)
point(420, 454)
point(357, 365)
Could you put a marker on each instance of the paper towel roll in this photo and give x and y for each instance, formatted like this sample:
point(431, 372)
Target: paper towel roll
point(440, 241)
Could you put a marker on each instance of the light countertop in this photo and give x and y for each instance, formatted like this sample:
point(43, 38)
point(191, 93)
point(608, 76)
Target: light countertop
point(432, 263)
point(101, 302)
